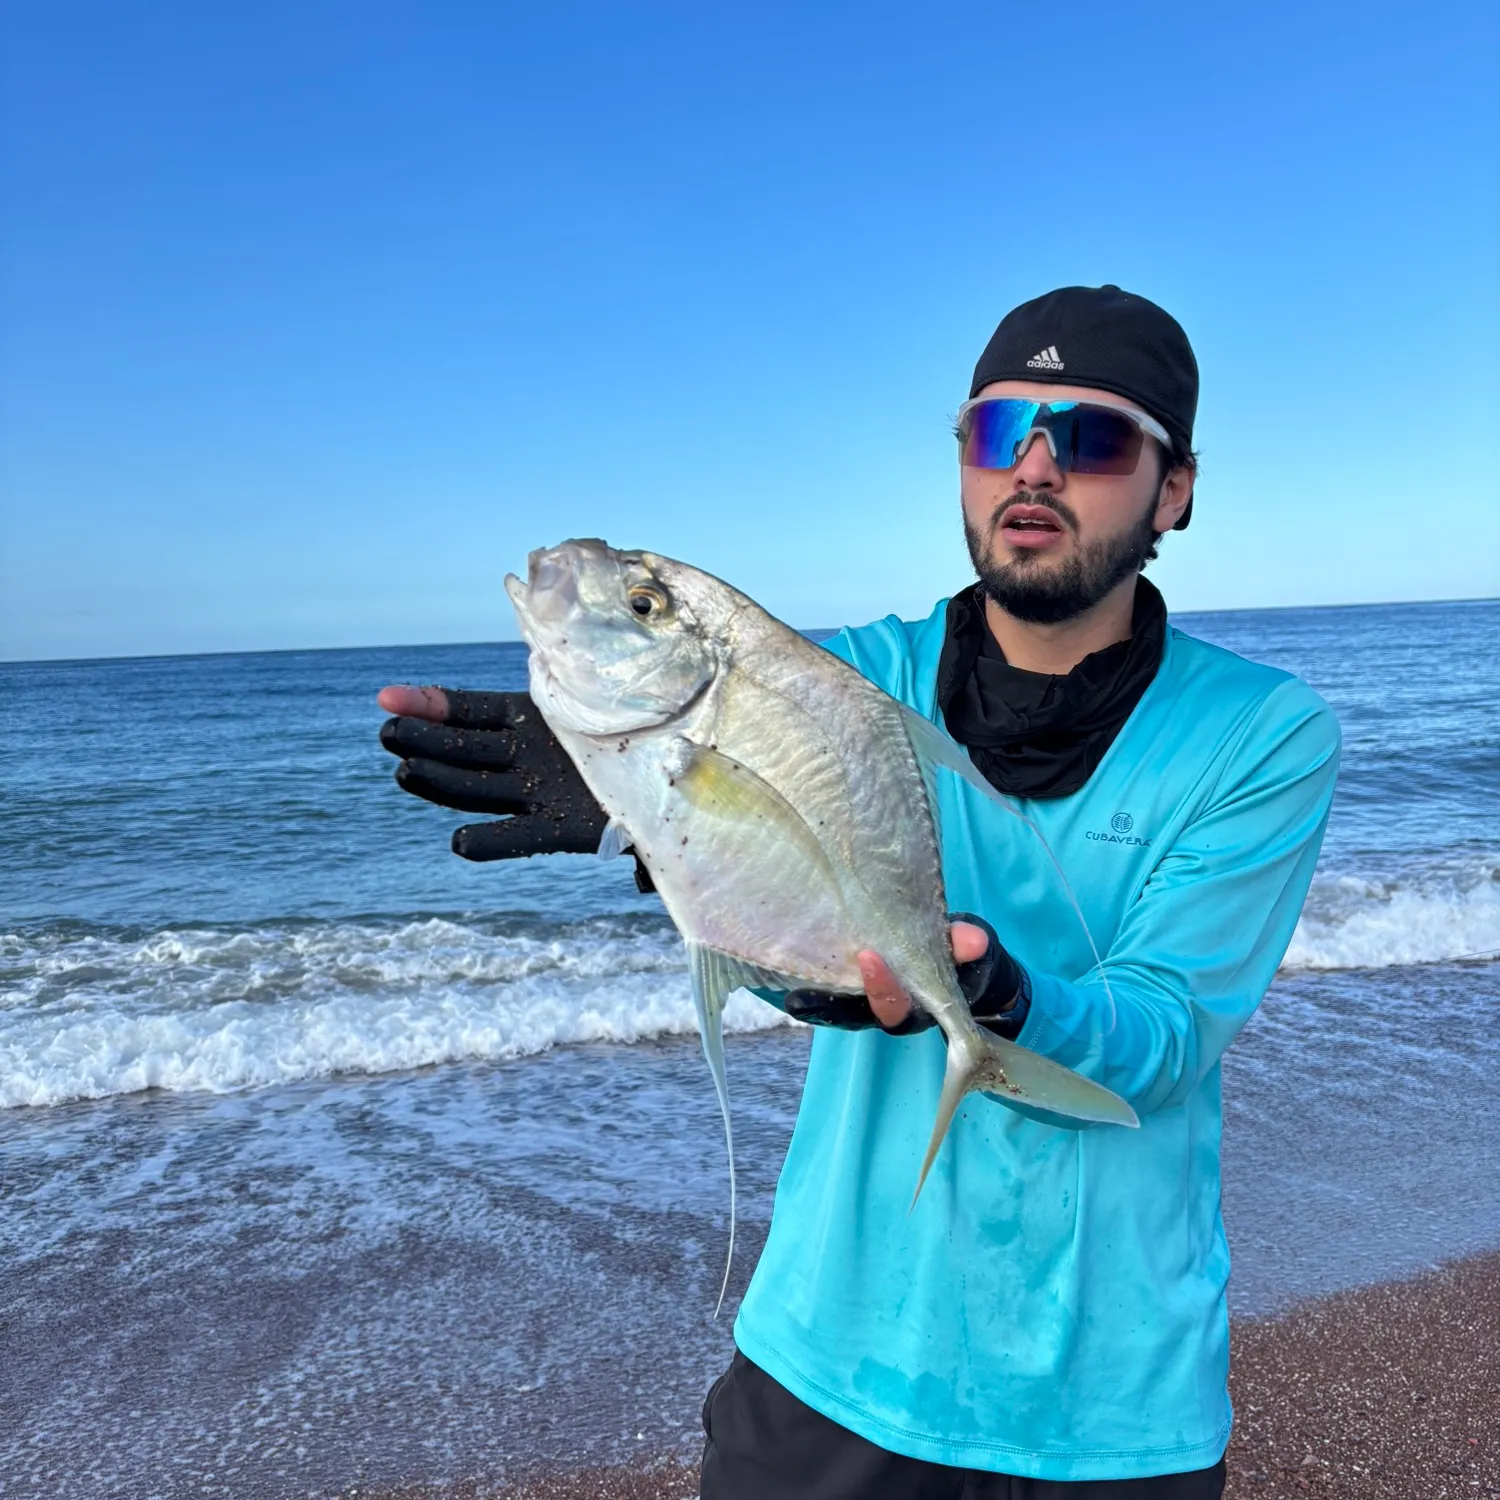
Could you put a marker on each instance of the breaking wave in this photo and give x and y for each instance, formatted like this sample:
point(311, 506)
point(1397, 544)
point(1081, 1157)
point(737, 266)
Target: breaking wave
point(87, 1012)
point(1439, 917)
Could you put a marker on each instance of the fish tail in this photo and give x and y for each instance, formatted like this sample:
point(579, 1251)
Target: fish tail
point(958, 1079)
point(977, 1059)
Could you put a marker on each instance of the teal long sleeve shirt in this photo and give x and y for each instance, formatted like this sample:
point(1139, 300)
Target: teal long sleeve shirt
point(1054, 1305)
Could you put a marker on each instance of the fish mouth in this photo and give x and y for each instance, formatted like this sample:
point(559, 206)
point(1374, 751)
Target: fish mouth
point(556, 578)
point(552, 582)
point(549, 597)
point(549, 569)
point(520, 598)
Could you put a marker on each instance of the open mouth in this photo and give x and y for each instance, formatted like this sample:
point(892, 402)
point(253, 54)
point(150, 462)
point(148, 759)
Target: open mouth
point(1032, 526)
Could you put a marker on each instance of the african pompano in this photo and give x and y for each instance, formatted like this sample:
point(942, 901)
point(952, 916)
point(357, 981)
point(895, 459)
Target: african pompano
point(782, 803)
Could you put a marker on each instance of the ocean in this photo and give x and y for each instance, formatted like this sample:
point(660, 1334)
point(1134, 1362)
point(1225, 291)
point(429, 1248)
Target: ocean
point(328, 1158)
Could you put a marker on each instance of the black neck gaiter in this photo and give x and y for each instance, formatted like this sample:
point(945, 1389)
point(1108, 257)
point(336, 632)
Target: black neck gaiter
point(1032, 734)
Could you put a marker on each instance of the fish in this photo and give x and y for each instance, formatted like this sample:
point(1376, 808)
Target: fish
point(784, 805)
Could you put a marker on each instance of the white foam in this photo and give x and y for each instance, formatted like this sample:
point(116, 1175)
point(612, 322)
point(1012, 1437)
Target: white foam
point(1350, 923)
point(86, 1013)
point(215, 1010)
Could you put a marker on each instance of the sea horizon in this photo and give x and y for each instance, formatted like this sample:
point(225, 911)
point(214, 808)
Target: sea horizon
point(812, 631)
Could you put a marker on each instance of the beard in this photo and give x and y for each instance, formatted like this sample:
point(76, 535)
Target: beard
point(1031, 589)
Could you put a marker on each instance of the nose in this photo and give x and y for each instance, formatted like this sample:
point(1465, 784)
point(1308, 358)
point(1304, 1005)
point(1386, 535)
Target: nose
point(1036, 469)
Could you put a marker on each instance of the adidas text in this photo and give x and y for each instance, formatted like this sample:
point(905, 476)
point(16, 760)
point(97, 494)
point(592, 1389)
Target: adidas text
point(1048, 359)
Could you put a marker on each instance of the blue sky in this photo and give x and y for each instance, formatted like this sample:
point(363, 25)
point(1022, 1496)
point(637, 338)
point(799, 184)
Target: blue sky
point(318, 317)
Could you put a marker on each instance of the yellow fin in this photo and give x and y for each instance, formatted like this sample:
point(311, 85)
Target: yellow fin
point(719, 786)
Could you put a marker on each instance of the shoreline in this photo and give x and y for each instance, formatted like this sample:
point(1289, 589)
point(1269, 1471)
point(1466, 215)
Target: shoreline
point(1383, 1392)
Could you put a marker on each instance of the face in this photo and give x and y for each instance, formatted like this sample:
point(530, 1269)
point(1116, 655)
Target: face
point(1048, 546)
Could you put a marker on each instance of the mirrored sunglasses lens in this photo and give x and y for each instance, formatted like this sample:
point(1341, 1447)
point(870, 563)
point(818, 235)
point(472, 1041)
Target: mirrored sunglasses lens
point(991, 430)
point(1105, 442)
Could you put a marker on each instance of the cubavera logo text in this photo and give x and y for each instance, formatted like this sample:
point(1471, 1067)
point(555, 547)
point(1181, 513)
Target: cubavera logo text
point(1120, 832)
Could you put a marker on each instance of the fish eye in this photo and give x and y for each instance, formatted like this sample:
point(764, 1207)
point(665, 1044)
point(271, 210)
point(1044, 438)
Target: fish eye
point(646, 601)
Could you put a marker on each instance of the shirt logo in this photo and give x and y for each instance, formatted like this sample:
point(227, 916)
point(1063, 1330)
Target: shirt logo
point(1121, 826)
point(1048, 359)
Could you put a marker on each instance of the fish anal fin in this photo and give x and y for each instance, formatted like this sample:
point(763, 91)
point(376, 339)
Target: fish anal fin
point(711, 988)
point(716, 975)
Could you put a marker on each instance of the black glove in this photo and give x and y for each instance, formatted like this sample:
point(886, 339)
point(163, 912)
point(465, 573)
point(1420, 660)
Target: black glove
point(994, 984)
point(495, 754)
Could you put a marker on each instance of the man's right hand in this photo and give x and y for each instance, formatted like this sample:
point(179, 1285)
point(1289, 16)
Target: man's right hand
point(491, 753)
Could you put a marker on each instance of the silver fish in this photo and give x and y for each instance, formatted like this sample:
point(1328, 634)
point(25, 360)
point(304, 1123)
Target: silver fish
point(782, 803)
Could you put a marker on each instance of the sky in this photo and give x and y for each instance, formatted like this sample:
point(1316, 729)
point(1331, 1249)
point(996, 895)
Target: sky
point(315, 318)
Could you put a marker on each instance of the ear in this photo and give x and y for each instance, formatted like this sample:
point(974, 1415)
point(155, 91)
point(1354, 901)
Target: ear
point(1172, 499)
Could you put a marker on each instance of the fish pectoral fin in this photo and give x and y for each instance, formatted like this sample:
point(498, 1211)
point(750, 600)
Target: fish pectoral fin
point(615, 840)
point(718, 786)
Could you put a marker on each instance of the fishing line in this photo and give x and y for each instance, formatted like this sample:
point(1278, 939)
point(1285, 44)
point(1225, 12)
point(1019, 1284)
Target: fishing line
point(1068, 891)
point(943, 750)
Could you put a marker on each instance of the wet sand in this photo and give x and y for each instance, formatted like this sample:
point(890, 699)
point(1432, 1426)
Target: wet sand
point(1386, 1393)
point(1382, 1393)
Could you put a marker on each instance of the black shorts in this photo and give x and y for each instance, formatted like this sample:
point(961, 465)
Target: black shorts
point(765, 1444)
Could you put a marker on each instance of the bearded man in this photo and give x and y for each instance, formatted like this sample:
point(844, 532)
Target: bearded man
point(1055, 1324)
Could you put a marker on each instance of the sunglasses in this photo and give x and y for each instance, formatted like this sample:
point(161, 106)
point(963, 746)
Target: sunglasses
point(1086, 437)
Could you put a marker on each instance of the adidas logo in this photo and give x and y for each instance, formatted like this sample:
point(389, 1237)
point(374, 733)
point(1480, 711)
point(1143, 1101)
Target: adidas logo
point(1048, 359)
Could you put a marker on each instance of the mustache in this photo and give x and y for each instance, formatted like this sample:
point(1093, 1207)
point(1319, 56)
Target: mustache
point(1059, 508)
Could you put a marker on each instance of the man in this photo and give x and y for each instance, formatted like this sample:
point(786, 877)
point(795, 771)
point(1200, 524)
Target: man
point(1050, 1320)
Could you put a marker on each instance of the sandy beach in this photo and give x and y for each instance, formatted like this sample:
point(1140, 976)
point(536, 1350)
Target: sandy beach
point(1388, 1392)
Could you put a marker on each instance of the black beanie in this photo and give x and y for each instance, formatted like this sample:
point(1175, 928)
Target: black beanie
point(1102, 337)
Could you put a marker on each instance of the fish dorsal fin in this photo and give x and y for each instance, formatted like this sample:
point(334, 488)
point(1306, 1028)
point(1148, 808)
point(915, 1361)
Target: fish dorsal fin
point(933, 748)
point(615, 839)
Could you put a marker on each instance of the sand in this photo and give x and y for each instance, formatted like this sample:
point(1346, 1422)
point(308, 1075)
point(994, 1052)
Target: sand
point(1386, 1393)
point(1383, 1393)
